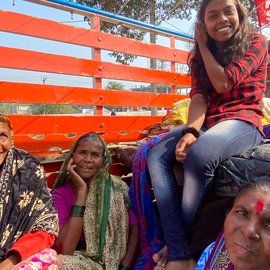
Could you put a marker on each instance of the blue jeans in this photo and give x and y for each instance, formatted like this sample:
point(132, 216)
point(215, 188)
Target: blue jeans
point(178, 215)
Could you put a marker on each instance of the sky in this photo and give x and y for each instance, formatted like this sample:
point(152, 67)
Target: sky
point(37, 10)
point(41, 11)
point(18, 41)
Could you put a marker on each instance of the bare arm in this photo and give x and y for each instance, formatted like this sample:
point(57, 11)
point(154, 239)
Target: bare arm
point(132, 248)
point(196, 117)
point(197, 111)
point(9, 262)
point(215, 71)
point(70, 233)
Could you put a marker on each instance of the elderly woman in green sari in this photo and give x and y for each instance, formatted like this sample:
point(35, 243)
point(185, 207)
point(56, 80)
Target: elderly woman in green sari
point(93, 210)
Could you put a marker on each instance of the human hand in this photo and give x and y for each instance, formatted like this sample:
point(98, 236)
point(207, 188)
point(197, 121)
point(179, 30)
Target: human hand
point(183, 145)
point(201, 35)
point(10, 261)
point(75, 177)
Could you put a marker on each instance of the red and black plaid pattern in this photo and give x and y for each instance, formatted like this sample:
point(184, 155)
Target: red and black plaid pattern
point(248, 76)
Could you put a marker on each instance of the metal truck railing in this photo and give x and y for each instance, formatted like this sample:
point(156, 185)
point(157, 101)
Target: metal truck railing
point(45, 134)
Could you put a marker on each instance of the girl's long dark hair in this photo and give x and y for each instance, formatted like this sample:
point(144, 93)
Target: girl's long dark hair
point(235, 48)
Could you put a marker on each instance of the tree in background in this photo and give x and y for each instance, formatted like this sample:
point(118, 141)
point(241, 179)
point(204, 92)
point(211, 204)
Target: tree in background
point(115, 85)
point(15, 108)
point(141, 10)
point(6, 108)
point(150, 11)
point(54, 109)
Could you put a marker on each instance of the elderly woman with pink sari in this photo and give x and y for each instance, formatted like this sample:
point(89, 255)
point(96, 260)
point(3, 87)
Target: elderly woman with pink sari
point(97, 229)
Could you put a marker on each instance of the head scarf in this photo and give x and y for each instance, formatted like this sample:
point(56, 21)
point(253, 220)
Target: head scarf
point(62, 176)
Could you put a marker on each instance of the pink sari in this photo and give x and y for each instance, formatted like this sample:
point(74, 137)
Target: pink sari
point(45, 259)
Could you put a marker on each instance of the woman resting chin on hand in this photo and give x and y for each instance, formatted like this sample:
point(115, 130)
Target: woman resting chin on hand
point(93, 210)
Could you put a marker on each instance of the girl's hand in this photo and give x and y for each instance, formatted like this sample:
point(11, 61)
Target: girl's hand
point(76, 179)
point(183, 145)
point(201, 35)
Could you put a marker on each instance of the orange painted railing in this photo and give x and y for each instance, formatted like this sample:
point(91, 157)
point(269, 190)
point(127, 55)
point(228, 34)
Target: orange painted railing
point(47, 134)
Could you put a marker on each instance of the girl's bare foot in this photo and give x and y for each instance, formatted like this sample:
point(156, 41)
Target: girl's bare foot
point(181, 265)
point(160, 258)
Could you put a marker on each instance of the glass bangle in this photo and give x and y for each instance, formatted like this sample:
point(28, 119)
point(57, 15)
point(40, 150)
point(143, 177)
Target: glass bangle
point(77, 210)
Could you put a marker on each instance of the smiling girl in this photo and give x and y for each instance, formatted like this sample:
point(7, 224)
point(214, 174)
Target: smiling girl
point(228, 67)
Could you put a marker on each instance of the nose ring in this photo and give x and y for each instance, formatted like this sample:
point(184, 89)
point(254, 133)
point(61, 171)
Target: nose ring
point(257, 237)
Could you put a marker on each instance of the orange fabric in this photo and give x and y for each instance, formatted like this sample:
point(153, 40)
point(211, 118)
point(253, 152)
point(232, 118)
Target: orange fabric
point(32, 243)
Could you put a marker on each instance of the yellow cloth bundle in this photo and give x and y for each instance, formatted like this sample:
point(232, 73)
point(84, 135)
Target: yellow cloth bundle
point(266, 111)
point(179, 114)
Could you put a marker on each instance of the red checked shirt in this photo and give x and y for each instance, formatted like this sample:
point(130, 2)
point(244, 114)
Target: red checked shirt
point(248, 76)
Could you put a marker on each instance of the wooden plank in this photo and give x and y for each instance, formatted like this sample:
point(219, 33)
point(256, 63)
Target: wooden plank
point(53, 144)
point(77, 124)
point(52, 94)
point(37, 61)
point(46, 135)
point(49, 134)
point(107, 19)
point(30, 26)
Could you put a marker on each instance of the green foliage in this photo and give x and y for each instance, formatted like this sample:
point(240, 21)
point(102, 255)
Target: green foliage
point(115, 85)
point(55, 109)
point(150, 11)
point(141, 10)
point(6, 108)
point(14, 108)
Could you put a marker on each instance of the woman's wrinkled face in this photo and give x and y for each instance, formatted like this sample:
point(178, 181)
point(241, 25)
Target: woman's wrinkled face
point(221, 20)
point(247, 232)
point(6, 140)
point(88, 157)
